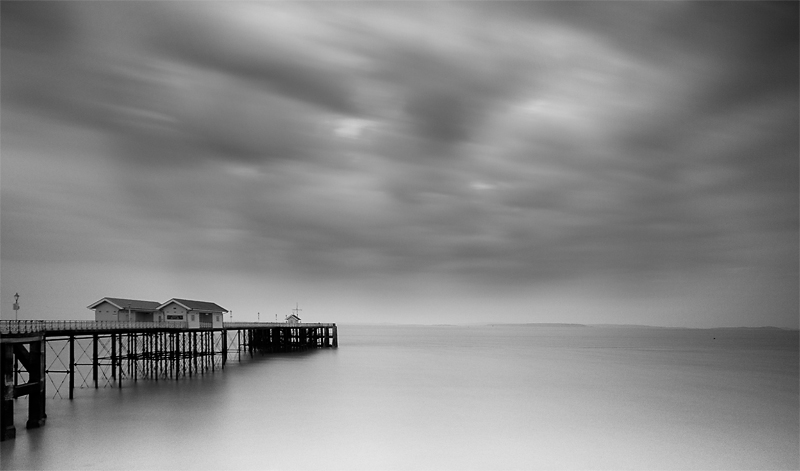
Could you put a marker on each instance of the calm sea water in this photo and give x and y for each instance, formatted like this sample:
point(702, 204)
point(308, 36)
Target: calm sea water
point(447, 397)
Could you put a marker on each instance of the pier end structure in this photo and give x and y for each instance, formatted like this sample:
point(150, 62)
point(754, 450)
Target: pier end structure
point(274, 337)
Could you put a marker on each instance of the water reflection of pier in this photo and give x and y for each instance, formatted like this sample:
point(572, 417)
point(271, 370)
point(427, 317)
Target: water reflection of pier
point(61, 356)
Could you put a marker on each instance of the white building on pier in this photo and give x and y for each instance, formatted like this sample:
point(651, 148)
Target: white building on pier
point(196, 314)
point(125, 310)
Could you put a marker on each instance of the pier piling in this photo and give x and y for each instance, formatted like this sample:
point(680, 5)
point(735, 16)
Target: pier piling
point(12, 350)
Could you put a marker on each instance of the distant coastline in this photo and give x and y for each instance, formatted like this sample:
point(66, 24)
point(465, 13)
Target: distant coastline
point(563, 324)
point(539, 324)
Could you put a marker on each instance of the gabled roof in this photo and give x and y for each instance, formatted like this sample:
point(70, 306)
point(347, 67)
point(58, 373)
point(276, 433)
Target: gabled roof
point(195, 305)
point(292, 315)
point(133, 304)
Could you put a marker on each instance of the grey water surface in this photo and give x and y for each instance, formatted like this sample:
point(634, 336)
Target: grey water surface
point(450, 397)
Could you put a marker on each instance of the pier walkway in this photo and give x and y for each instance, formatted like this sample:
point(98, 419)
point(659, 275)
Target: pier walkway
point(36, 354)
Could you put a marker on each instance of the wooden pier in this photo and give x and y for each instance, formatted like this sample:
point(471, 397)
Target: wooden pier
point(130, 351)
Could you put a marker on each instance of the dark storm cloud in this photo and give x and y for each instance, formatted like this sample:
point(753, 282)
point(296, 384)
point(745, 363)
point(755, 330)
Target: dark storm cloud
point(262, 59)
point(38, 27)
point(508, 142)
point(725, 56)
point(42, 67)
point(168, 98)
point(448, 90)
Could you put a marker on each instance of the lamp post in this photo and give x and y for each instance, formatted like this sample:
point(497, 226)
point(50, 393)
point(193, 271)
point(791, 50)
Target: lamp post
point(16, 307)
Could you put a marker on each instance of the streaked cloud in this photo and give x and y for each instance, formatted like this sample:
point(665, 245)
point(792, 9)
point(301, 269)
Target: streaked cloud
point(481, 145)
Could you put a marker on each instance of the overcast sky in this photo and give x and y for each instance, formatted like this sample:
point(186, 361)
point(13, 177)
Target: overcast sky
point(598, 162)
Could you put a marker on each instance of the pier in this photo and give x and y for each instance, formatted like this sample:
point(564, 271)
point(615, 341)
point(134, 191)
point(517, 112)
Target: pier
point(91, 353)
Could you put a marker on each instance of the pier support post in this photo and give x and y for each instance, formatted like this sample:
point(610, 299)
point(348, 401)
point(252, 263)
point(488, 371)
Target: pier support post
point(176, 358)
point(95, 360)
point(194, 352)
point(133, 356)
point(7, 429)
point(145, 339)
point(224, 347)
point(171, 356)
point(37, 382)
point(157, 353)
point(211, 344)
point(32, 358)
point(119, 361)
point(113, 356)
point(136, 353)
point(182, 352)
point(71, 365)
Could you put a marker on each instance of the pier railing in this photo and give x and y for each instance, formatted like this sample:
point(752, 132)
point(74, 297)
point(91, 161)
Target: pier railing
point(255, 325)
point(36, 326)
